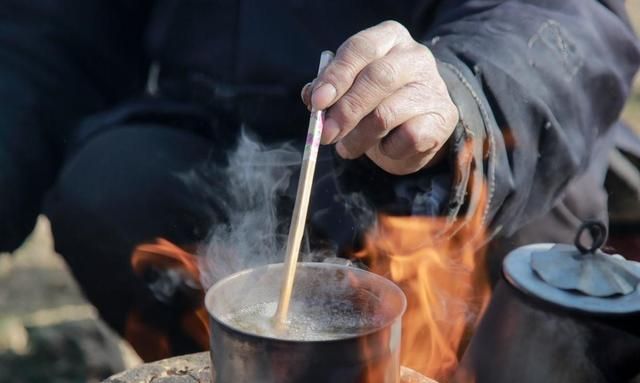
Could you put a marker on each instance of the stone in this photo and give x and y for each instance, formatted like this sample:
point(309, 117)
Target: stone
point(196, 368)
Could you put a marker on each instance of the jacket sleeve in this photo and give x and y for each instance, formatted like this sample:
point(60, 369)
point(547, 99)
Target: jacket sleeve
point(59, 61)
point(537, 84)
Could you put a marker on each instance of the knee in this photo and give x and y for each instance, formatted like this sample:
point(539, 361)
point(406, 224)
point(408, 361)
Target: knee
point(123, 188)
point(116, 192)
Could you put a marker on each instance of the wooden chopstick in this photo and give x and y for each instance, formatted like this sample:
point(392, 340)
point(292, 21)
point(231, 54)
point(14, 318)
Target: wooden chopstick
point(296, 230)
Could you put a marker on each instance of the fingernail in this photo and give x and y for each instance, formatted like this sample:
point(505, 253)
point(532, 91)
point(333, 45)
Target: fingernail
point(304, 95)
point(304, 90)
point(323, 96)
point(330, 130)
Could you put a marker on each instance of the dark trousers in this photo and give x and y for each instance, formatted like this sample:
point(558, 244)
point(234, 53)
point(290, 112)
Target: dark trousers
point(119, 190)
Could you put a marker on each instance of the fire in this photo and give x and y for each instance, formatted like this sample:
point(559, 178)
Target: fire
point(164, 254)
point(444, 278)
point(153, 343)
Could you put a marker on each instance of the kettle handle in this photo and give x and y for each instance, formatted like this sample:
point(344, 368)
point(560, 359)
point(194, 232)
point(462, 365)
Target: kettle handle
point(598, 232)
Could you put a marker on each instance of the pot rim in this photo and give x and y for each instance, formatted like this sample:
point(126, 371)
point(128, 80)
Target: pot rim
point(392, 285)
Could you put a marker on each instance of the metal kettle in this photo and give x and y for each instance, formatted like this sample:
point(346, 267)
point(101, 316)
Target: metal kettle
point(560, 313)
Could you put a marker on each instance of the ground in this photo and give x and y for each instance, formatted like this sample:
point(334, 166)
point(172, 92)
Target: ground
point(49, 333)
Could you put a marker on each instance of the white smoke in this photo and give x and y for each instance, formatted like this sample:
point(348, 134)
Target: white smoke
point(255, 180)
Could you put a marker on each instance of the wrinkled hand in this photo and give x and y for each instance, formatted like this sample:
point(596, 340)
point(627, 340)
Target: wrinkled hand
point(384, 98)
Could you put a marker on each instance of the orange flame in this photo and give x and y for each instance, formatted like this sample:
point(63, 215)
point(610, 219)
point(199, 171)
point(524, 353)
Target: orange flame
point(164, 254)
point(151, 343)
point(441, 270)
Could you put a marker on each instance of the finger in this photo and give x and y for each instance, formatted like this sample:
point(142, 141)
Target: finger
point(402, 167)
point(408, 102)
point(422, 134)
point(376, 82)
point(407, 149)
point(352, 56)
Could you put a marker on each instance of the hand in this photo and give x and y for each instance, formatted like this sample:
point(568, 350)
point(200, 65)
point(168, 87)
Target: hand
point(384, 98)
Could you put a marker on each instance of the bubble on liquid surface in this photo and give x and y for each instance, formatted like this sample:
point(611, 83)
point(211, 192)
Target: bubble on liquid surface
point(313, 322)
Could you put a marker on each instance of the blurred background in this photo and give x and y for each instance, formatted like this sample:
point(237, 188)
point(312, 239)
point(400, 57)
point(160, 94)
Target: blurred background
point(631, 112)
point(48, 331)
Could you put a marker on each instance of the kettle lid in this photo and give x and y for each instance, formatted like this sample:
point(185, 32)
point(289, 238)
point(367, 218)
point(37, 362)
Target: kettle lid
point(577, 277)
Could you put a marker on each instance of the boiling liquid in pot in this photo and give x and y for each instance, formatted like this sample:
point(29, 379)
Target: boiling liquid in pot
point(317, 321)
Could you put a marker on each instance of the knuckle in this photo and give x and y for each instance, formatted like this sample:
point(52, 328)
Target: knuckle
point(418, 91)
point(340, 74)
point(424, 52)
point(439, 131)
point(413, 139)
point(439, 119)
point(359, 46)
point(419, 138)
point(382, 119)
point(348, 109)
point(445, 115)
point(381, 73)
point(422, 49)
point(395, 26)
point(453, 114)
point(402, 34)
point(426, 69)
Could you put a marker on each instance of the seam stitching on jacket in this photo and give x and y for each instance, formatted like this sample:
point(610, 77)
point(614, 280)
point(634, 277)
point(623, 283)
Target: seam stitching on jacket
point(486, 120)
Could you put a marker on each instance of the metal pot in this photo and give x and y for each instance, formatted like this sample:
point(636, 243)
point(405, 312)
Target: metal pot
point(369, 353)
point(560, 314)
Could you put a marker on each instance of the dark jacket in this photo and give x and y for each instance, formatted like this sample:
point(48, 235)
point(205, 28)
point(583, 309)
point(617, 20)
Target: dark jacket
point(538, 84)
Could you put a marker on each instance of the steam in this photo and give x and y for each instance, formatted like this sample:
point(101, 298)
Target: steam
point(249, 193)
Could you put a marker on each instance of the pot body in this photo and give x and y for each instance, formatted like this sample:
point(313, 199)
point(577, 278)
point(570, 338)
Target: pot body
point(371, 356)
point(524, 339)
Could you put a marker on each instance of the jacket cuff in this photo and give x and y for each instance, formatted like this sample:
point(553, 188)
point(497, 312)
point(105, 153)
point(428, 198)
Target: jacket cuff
point(468, 196)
